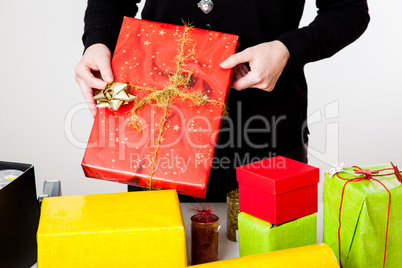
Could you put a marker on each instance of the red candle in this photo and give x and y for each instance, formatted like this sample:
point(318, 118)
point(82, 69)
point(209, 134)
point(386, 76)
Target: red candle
point(204, 236)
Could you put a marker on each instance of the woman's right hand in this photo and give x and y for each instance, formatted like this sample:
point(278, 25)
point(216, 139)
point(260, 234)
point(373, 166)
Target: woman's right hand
point(94, 72)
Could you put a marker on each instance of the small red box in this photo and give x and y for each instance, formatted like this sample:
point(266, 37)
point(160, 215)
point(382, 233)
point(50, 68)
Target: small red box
point(278, 189)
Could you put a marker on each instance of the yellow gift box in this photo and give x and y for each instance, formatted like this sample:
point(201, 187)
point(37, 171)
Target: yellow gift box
point(135, 229)
point(315, 256)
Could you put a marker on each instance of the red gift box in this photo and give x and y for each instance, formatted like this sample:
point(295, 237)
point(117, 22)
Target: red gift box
point(278, 189)
point(168, 68)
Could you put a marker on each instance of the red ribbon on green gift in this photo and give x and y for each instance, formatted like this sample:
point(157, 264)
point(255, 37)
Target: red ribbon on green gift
point(368, 175)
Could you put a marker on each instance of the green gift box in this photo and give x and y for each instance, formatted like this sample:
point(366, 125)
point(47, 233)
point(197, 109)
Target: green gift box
point(369, 223)
point(258, 236)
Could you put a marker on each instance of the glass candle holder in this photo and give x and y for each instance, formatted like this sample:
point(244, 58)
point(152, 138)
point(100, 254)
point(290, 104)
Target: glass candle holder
point(204, 239)
point(232, 199)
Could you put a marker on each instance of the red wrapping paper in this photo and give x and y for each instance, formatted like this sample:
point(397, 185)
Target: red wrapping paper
point(145, 56)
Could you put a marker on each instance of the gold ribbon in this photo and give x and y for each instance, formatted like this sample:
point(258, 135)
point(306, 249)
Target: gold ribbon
point(176, 89)
point(114, 95)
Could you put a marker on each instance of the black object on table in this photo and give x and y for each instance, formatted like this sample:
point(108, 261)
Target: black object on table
point(19, 218)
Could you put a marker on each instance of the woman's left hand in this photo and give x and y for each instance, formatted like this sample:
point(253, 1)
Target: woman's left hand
point(266, 61)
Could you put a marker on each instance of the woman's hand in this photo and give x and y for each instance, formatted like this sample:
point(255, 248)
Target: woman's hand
point(266, 61)
point(94, 72)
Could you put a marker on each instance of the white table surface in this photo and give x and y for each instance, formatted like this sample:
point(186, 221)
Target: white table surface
point(227, 248)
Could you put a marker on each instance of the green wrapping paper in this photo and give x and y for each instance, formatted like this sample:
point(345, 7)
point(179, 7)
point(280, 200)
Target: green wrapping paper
point(364, 218)
point(257, 236)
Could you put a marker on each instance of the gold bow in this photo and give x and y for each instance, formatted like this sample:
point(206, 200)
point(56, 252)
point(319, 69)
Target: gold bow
point(114, 95)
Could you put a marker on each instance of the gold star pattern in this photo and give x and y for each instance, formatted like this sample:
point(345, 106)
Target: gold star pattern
point(176, 127)
point(161, 32)
point(146, 43)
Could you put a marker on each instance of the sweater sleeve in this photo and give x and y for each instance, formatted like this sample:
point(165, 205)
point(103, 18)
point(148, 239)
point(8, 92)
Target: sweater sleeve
point(337, 24)
point(103, 20)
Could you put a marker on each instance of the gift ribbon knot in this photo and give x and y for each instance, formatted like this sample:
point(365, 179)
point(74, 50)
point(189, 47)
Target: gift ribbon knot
point(368, 175)
point(397, 172)
point(114, 95)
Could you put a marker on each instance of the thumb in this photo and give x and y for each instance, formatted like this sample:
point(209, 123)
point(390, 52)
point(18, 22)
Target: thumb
point(106, 69)
point(236, 59)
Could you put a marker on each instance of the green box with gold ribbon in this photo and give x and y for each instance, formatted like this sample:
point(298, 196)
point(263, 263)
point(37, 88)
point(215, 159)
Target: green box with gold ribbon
point(258, 236)
point(363, 215)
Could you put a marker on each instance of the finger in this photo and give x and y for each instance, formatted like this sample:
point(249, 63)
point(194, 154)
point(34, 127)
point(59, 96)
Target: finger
point(105, 69)
point(243, 69)
point(247, 81)
point(240, 71)
point(88, 95)
point(237, 74)
point(85, 74)
point(236, 59)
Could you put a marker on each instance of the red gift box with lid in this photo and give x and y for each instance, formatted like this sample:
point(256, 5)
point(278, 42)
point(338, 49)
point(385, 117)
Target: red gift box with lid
point(170, 70)
point(278, 189)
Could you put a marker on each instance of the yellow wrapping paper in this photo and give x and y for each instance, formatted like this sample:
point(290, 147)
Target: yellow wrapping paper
point(315, 256)
point(136, 229)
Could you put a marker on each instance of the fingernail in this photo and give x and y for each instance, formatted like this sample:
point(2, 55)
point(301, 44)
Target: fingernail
point(109, 78)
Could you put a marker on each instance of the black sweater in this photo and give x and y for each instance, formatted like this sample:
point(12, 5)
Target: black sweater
point(279, 115)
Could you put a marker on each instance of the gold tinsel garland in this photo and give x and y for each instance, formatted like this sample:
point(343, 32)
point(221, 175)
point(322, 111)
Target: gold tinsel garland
point(176, 88)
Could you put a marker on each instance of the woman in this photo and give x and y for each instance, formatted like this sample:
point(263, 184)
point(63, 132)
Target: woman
point(268, 99)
